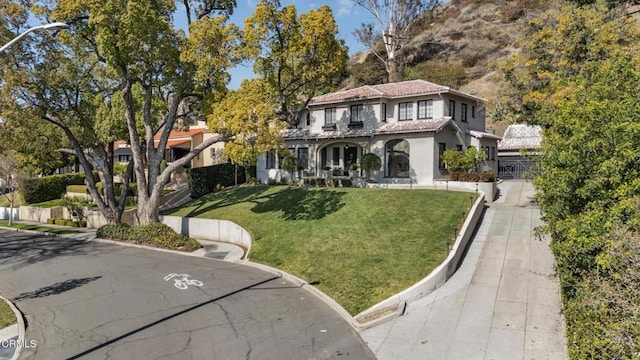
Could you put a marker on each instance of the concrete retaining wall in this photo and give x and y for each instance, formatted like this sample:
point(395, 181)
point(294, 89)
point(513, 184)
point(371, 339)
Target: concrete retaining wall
point(38, 214)
point(213, 230)
point(94, 218)
point(395, 305)
point(490, 189)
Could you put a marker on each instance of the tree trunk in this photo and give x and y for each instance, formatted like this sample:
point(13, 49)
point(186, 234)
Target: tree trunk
point(149, 210)
point(11, 208)
point(393, 71)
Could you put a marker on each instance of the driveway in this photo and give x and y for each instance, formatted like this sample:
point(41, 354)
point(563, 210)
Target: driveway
point(502, 303)
point(84, 299)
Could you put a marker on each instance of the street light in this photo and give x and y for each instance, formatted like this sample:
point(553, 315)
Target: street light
point(55, 25)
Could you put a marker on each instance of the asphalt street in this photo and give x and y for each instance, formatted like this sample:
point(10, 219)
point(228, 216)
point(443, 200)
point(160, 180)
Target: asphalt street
point(90, 300)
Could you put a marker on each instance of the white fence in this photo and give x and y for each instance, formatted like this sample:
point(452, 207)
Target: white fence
point(4, 213)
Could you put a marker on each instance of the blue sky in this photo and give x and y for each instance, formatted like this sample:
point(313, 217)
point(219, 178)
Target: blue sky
point(347, 15)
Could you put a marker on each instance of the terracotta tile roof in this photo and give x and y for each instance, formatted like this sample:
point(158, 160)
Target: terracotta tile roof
point(412, 87)
point(400, 127)
point(171, 143)
point(521, 136)
point(291, 134)
point(415, 125)
point(181, 134)
point(392, 90)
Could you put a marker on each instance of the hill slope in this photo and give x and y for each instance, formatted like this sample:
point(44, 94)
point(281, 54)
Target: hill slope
point(459, 48)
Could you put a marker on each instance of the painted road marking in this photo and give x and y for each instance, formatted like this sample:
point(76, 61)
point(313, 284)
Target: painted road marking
point(182, 281)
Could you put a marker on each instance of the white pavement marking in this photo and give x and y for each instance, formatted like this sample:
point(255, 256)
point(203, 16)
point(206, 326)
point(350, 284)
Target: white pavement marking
point(182, 281)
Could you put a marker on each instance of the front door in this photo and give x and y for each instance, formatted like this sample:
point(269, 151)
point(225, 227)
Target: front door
point(350, 157)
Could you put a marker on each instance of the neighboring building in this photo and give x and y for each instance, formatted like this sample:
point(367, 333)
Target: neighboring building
point(179, 144)
point(519, 143)
point(408, 124)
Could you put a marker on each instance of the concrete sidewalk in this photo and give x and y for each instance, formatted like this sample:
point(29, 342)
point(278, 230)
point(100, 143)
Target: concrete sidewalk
point(503, 302)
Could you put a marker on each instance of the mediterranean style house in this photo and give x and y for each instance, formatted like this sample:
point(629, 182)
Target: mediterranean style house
point(407, 124)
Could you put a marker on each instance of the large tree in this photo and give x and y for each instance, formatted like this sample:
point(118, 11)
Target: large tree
point(246, 116)
point(392, 23)
point(113, 48)
point(298, 56)
point(33, 148)
point(54, 81)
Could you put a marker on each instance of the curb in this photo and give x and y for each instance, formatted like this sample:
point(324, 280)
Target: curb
point(21, 328)
point(306, 286)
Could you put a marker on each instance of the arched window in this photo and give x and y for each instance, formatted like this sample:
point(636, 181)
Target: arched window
point(397, 156)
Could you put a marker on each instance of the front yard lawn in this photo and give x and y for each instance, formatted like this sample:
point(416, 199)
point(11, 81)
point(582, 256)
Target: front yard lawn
point(359, 246)
point(7, 317)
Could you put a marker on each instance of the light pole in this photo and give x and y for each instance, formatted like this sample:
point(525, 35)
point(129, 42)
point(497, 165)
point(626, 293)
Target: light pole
point(55, 25)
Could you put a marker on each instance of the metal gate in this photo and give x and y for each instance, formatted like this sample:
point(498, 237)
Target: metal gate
point(514, 169)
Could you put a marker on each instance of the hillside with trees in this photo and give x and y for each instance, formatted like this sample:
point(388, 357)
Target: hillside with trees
point(460, 44)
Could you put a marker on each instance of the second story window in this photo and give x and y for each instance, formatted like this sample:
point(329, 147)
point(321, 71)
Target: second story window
point(463, 112)
point(452, 109)
point(425, 109)
point(357, 113)
point(308, 119)
point(330, 116)
point(473, 111)
point(405, 111)
point(383, 112)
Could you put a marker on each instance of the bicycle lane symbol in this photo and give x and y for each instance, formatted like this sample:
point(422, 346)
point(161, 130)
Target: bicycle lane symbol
point(182, 281)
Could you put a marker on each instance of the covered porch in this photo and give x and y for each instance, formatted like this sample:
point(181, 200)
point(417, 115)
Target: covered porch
point(338, 157)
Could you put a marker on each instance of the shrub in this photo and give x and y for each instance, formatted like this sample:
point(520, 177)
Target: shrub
point(71, 223)
point(370, 162)
point(114, 231)
point(488, 176)
point(117, 187)
point(203, 180)
point(290, 164)
point(51, 221)
point(453, 160)
point(62, 222)
point(82, 223)
point(154, 234)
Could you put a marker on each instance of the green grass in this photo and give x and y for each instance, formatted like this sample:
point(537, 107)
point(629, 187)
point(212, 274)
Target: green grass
point(359, 246)
point(40, 228)
point(7, 317)
point(5, 202)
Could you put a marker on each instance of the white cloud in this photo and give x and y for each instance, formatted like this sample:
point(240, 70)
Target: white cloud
point(344, 8)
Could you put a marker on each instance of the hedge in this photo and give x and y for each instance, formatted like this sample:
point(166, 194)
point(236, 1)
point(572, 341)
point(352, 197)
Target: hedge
point(133, 189)
point(37, 190)
point(204, 180)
